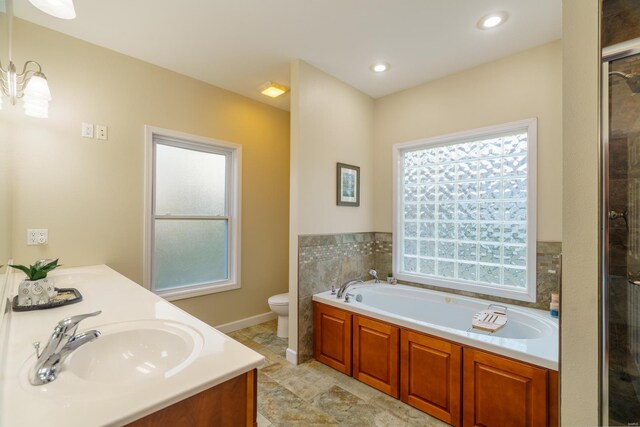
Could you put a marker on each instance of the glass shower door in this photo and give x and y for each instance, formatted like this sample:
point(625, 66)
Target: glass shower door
point(621, 299)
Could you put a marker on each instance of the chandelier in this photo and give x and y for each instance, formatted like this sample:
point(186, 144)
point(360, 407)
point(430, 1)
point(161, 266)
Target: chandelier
point(30, 84)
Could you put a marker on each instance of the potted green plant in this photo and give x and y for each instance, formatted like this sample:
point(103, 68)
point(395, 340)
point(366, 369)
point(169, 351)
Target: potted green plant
point(390, 278)
point(37, 289)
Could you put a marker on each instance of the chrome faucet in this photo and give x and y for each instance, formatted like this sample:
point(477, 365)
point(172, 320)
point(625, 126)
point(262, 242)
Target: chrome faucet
point(374, 274)
point(61, 344)
point(345, 285)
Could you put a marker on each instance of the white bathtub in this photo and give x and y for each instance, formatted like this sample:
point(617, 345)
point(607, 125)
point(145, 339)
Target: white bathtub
point(530, 335)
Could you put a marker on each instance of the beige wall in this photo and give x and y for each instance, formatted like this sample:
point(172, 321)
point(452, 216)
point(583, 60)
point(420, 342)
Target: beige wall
point(89, 193)
point(579, 294)
point(331, 122)
point(335, 124)
point(5, 166)
point(5, 194)
point(527, 84)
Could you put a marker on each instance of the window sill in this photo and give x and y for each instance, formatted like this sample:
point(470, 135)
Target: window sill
point(197, 291)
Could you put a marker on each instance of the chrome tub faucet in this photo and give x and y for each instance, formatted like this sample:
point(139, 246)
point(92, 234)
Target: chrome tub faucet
point(61, 344)
point(345, 286)
point(374, 274)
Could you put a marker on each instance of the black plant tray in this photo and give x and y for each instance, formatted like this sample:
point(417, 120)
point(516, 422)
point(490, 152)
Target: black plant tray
point(69, 296)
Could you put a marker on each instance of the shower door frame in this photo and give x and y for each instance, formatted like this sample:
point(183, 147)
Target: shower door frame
point(609, 54)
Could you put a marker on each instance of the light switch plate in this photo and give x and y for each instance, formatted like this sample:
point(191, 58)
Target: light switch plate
point(87, 130)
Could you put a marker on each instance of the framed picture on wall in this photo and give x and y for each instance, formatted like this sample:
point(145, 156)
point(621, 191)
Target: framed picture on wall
point(348, 185)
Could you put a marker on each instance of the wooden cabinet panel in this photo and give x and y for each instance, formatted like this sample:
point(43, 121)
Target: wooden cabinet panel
point(332, 337)
point(554, 400)
point(232, 403)
point(430, 378)
point(375, 354)
point(503, 392)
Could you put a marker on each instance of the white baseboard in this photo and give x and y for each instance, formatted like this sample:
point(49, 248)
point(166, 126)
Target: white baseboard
point(245, 323)
point(292, 356)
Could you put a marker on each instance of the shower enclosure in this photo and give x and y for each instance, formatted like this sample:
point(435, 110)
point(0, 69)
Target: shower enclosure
point(621, 235)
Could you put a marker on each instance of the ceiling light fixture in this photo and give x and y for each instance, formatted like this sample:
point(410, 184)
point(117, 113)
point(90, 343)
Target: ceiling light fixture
point(492, 20)
point(30, 85)
point(380, 67)
point(62, 9)
point(272, 89)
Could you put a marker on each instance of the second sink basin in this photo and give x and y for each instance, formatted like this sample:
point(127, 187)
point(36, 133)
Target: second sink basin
point(135, 351)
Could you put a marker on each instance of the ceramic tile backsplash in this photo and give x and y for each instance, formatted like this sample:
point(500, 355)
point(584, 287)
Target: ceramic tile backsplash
point(325, 260)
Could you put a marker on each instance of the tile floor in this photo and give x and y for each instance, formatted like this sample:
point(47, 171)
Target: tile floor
point(313, 394)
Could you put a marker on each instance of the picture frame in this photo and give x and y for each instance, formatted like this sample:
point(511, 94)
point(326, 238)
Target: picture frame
point(347, 185)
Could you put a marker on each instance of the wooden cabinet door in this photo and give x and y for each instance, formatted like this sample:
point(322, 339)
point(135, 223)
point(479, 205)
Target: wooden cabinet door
point(430, 375)
point(375, 354)
point(502, 392)
point(332, 337)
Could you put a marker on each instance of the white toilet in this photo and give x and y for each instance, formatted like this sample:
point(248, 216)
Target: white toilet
point(279, 304)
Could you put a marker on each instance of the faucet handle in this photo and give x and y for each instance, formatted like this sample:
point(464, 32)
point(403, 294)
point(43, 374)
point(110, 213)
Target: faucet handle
point(333, 289)
point(72, 322)
point(36, 345)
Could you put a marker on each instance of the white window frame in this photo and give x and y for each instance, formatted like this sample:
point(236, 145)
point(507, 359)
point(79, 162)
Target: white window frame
point(527, 294)
point(234, 198)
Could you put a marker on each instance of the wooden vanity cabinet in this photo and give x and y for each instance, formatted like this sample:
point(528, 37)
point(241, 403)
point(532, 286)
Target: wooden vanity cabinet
point(503, 392)
point(232, 403)
point(332, 337)
point(375, 354)
point(430, 375)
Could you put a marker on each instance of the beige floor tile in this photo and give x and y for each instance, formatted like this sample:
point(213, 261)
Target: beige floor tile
point(305, 383)
point(263, 421)
point(282, 407)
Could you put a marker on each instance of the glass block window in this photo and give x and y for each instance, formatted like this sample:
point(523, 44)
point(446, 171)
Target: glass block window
point(465, 215)
point(193, 215)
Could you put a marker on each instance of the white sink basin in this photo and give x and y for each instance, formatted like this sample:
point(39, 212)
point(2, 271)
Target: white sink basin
point(126, 354)
point(135, 351)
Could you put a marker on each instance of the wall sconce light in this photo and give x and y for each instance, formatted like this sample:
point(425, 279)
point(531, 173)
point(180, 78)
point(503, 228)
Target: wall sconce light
point(30, 85)
point(62, 9)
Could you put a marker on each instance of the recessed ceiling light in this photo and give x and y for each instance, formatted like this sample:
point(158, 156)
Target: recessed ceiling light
point(492, 20)
point(272, 89)
point(380, 67)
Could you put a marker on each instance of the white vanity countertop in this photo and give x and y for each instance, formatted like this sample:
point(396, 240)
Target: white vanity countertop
point(108, 402)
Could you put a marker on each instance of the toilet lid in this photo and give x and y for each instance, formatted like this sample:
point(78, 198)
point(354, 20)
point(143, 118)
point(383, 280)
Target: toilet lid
point(280, 299)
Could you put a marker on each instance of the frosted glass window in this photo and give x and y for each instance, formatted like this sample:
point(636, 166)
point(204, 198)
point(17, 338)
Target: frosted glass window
point(189, 182)
point(463, 212)
point(193, 230)
point(189, 252)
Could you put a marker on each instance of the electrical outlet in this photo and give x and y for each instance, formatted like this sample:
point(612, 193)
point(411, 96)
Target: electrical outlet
point(37, 236)
point(101, 132)
point(87, 130)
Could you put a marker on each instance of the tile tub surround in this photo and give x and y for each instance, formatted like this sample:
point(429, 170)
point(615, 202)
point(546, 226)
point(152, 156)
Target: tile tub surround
point(547, 265)
point(312, 394)
point(324, 260)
